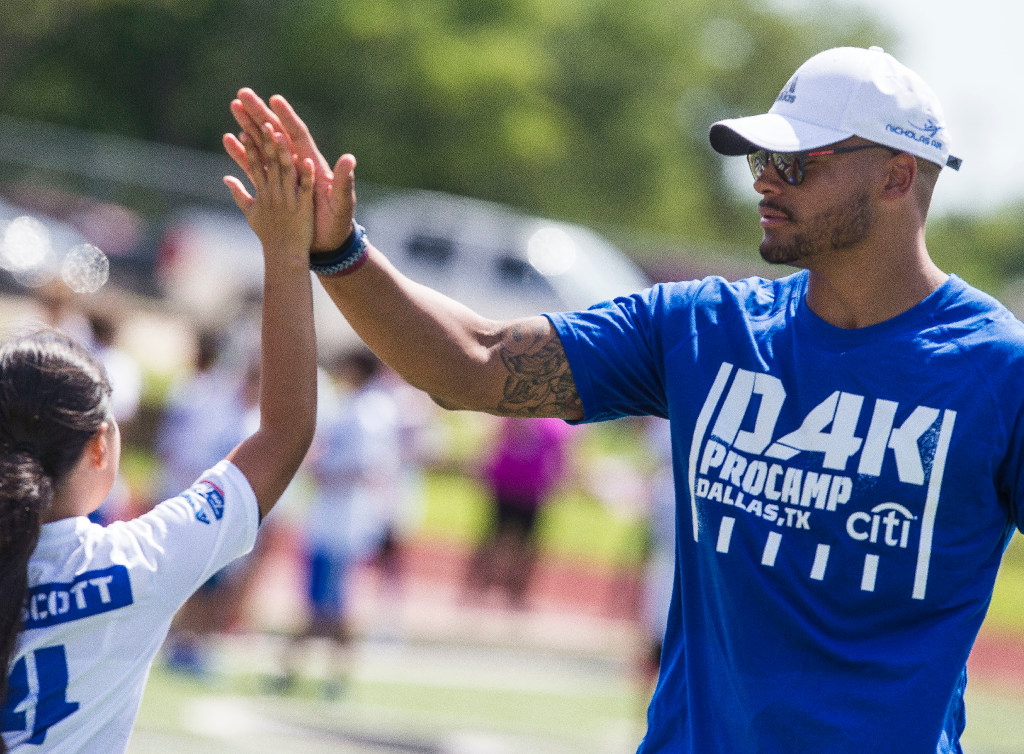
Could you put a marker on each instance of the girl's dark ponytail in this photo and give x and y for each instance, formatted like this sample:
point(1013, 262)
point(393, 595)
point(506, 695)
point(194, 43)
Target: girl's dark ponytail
point(53, 398)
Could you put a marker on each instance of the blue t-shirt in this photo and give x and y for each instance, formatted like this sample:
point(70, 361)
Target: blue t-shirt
point(844, 498)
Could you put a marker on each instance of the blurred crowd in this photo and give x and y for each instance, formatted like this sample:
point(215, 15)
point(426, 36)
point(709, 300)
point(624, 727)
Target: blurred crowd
point(361, 497)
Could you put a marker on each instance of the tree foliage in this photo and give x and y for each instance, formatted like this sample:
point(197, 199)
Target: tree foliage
point(984, 250)
point(590, 110)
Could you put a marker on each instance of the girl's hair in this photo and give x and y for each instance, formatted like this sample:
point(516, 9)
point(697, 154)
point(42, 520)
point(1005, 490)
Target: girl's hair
point(53, 397)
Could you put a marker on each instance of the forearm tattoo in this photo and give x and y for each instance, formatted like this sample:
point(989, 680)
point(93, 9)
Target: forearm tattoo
point(539, 381)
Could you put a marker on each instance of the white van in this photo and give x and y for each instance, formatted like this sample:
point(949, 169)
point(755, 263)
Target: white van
point(498, 262)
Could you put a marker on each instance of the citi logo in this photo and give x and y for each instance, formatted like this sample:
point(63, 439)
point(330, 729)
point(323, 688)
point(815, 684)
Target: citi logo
point(887, 523)
point(788, 93)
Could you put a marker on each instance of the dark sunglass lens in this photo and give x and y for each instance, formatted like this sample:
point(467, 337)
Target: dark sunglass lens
point(789, 167)
point(758, 161)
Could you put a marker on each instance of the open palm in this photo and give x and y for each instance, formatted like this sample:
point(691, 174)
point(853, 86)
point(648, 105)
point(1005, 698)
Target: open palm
point(334, 195)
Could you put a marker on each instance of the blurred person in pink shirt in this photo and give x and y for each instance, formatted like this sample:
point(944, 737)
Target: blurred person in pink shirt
point(525, 465)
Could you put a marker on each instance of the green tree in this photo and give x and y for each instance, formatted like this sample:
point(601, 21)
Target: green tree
point(984, 250)
point(588, 110)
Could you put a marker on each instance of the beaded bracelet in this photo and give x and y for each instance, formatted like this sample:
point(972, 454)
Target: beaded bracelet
point(346, 259)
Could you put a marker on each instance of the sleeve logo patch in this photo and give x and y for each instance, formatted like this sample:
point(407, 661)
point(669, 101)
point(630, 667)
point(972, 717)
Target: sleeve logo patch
point(205, 496)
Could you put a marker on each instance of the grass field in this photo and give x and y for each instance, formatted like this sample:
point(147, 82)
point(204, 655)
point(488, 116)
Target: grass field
point(449, 701)
point(419, 698)
point(1007, 610)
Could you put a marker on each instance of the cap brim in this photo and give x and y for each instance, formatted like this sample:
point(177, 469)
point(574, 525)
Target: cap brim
point(771, 131)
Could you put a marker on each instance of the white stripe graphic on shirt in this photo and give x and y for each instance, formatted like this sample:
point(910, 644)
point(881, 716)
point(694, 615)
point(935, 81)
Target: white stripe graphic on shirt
point(725, 533)
point(931, 505)
point(771, 549)
point(867, 579)
point(820, 562)
point(699, 430)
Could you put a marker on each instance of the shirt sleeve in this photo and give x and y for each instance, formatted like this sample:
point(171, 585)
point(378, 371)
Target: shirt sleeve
point(614, 353)
point(174, 548)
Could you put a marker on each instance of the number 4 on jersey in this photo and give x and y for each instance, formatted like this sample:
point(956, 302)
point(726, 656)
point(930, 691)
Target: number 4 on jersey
point(51, 670)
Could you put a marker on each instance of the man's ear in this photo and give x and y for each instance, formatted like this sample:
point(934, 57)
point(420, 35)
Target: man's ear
point(900, 176)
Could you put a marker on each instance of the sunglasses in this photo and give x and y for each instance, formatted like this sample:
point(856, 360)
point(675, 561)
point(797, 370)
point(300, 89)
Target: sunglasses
point(791, 165)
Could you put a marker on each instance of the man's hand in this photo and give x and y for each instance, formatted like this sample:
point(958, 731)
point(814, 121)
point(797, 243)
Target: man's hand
point(334, 194)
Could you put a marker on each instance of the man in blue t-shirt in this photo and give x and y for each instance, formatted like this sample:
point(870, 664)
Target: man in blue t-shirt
point(846, 440)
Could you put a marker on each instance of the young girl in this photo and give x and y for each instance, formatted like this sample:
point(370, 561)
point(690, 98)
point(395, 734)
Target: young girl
point(85, 608)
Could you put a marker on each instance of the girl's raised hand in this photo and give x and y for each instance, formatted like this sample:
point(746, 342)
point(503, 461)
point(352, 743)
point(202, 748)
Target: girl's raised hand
point(281, 212)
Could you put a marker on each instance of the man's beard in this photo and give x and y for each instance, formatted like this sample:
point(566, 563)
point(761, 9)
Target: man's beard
point(831, 230)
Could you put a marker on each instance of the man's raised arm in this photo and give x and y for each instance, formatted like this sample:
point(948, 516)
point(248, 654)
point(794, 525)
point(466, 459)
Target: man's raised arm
point(462, 360)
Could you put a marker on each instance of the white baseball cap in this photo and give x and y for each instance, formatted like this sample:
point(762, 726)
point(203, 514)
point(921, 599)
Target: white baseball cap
point(844, 92)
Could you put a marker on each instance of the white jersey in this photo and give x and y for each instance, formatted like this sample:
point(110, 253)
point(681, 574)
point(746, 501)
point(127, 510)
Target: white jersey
point(355, 461)
point(100, 602)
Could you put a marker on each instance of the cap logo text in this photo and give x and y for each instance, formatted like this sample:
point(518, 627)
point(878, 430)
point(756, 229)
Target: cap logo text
point(788, 93)
point(922, 134)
